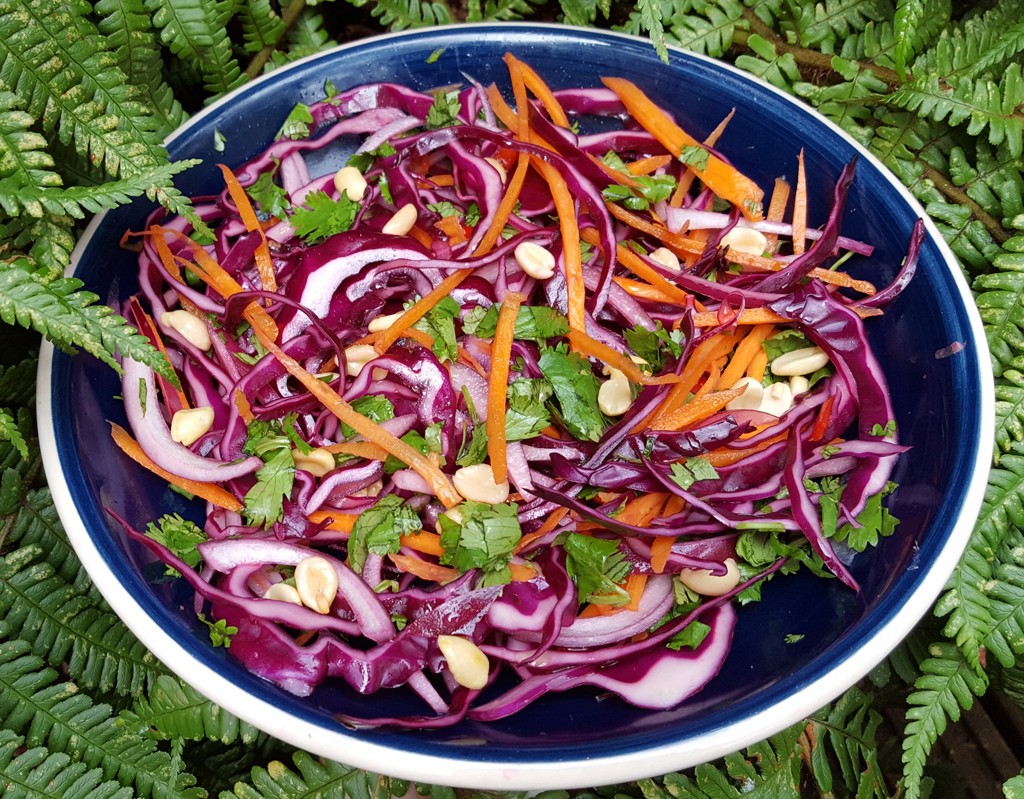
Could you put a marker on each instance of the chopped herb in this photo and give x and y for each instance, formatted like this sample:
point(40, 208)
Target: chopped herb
point(379, 530)
point(444, 209)
point(219, 141)
point(575, 387)
point(272, 441)
point(691, 471)
point(793, 638)
point(690, 637)
point(297, 124)
point(432, 58)
point(444, 112)
point(829, 450)
point(322, 216)
point(376, 407)
point(884, 432)
point(485, 540)
point(474, 450)
point(598, 568)
point(180, 536)
point(873, 523)
point(533, 323)
point(440, 324)
point(654, 345)
point(527, 413)
point(220, 631)
point(271, 198)
point(695, 156)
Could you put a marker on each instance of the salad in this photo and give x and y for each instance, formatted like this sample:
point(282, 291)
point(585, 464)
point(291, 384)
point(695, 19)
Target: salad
point(500, 407)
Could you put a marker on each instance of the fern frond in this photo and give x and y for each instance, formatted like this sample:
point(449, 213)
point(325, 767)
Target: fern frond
point(765, 62)
point(11, 432)
point(978, 46)
point(823, 25)
point(1006, 639)
point(847, 730)
point(583, 12)
point(648, 18)
point(847, 103)
point(37, 774)
point(18, 381)
point(1000, 300)
point(966, 602)
point(306, 36)
point(196, 32)
point(68, 625)
point(126, 26)
point(704, 26)
point(70, 317)
point(1009, 410)
point(34, 702)
point(502, 10)
point(177, 710)
point(74, 87)
point(401, 14)
point(994, 181)
point(37, 524)
point(909, 14)
point(23, 154)
point(947, 685)
point(313, 778)
point(261, 25)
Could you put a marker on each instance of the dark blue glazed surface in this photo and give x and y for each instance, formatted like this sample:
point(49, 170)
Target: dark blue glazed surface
point(937, 398)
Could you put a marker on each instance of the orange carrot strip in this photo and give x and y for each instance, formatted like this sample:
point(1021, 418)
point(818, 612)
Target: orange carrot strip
point(505, 207)
point(757, 366)
point(777, 210)
point(661, 548)
point(427, 543)
point(759, 316)
point(645, 166)
point(727, 457)
point(646, 506)
point(359, 449)
point(710, 383)
point(264, 263)
point(522, 572)
point(497, 387)
point(800, 207)
point(643, 291)
point(687, 179)
point(572, 255)
point(700, 408)
point(502, 110)
point(424, 569)
point(586, 345)
point(336, 520)
point(824, 417)
point(596, 609)
point(421, 237)
point(532, 81)
point(522, 128)
point(213, 274)
point(550, 523)
point(208, 491)
point(419, 310)
point(635, 584)
point(724, 180)
point(700, 362)
point(745, 352)
point(244, 408)
point(639, 267)
point(367, 428)
point(452, 228)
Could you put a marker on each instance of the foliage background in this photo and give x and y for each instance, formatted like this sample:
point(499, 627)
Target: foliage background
point(88, 90)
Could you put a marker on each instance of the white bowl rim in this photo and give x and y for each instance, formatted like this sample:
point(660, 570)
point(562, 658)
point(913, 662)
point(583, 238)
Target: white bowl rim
point(347, 747)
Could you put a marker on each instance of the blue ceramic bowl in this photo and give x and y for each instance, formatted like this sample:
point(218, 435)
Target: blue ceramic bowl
point(943, 407)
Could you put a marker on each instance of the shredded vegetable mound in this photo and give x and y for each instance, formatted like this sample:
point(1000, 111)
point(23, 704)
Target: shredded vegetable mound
point(498, 407)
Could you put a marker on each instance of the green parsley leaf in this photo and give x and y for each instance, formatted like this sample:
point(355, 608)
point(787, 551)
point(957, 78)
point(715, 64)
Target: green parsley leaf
point(297, 124)
point(485, 540)
point(527, 413)
point(693, 155)
point(598, 568)
point(755, 548)
point(444, 112)
point(474, 450)
point(690, 637)
point(575, 387)
point(379, 530)
point(472, 216)
point(692, 470)
point(271, 198)
point(444, 209)
point(654, 345)
point(533, 323)
point(873, 523)
point(323, 216)
point(792, 638)
point(439, 323)
point(785, 341)
point(432, 58)
point(220, 631)
point(219, 140)
point(884, 432)
point(375, 407)
point(180, 536)
point(264, 502)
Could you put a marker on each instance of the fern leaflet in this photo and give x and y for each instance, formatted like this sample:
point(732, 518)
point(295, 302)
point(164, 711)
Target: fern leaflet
point(766, 63)
point(37, 523)
point(314, 778)
point(967, 604)
point(1000, 300)
point(261, 25)
point(37, 774)
point(1006, 639)
point(402, 14)
point(196, 32)
point(909, 14)
point(824, 24)
point(704, 26)
point(848, 730)
point(498, 10)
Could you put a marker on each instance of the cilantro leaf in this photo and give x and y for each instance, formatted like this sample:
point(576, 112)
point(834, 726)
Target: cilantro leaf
point(597, 567)
point(889, 429)
point(297, 124)
point(654, 345)
point(271, 198)
point(180, 536)
point(379, 530)
point(322, 216)
point(485, 539)
point(785, 341)
point(693, 155)
point(575, 387)
point(691, 471)
point(376, 407)
point(220, 631)
point(474, 450)
point(690, 637)
point(444, 112)
point(534, 323)
point(427, 442)
point(873, 523)
point(440, 324)
point(271, 440)
point(527, 414)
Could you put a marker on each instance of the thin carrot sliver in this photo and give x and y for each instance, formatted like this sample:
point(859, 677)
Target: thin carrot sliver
point(687, 179)
point(243, 405)
point(452, 228)
point(635, 584)
point(359, 449)
point(572, 255)
point(639, 267)
point(419, 310)
point(424, 569)
point(800, 207)
point(777, 210)
point(645, 166)
point(757, 366)
point(723, 179)
point(367, 428)
point(505, 207)
point(423, 541)
point(644, 507)
point(697, 410)
point(727, 457)
point(264, 263)
point(745, 352)
point(497, 387)
point(643, 291)
point(700, 362)
point(550, 523)
point(661, 548)
point(587, 345)
point(759, 316)
point(522, 572)
point(532, 81)
point(335, 520)
point(208, 491)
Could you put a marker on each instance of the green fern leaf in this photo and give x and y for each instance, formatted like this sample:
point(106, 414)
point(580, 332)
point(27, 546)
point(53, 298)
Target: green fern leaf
point(847, 103)
point(74, 87)
point(978, 46)
point(11, 431)
point(704, 26)
point(196, 32)
point(23, 155)
point(55, 714)
point(848, 730)
point(823, 25)
point(967, 604)
point(69, 625)
point(126, 27)
point(1000, 300)
point(177, 710)
point(499, 10)
point(37, 774)
point(306, 36)
point(314, 778)
point(261, 25)
point(37, 524)
point(909, 14)
point(18, 381)
point(70, 318)
point(1009, 410)
point(947, 685)
point(1013, 788)
point(401, 14)
point(767, 64)
point(1006, 639)
point(583, 12)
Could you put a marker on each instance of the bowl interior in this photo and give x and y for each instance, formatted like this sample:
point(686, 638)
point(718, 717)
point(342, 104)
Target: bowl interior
point(938, 398)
